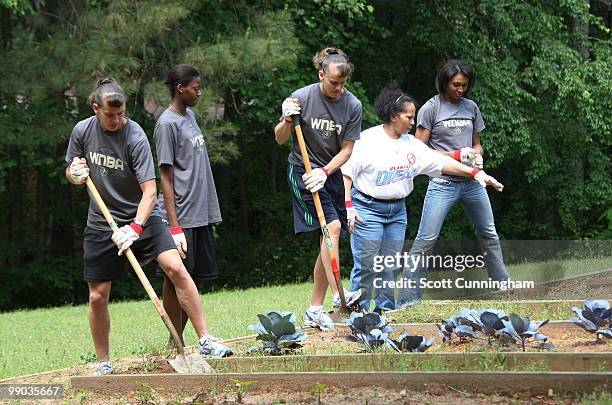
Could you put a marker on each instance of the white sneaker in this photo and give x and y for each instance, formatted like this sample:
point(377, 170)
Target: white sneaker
point(351, 298)
point(103, 368)
point(318, 319)
point(211, 346)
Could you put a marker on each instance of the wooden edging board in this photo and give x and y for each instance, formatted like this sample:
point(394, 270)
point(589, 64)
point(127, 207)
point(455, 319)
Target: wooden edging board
point(583, 362)
point(503, 383)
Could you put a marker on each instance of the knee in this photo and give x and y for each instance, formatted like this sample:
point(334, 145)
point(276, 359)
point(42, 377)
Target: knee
point(176, 271)
point(97, 299)
point(334, 228)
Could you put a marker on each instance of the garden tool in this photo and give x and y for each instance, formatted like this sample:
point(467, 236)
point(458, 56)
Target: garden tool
point(194, 363)
point(333, 275)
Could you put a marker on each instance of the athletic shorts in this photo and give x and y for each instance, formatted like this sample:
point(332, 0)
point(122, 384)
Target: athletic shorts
point(201, 261)
point(100, 259)
point(305, 217)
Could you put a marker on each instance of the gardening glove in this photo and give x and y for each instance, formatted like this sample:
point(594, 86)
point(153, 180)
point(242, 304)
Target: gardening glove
point(478, 162)
point(291, 107)
point(351, 215)
point(465, 156)
point(125, 236)
point(315, 180)
point(79, 170)
point(179, 240)
point(486, 180)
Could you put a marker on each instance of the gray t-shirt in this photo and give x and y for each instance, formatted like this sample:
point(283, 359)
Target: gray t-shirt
point(180, 143)
point(451, 125)
point(118, 162)
point(325, 124)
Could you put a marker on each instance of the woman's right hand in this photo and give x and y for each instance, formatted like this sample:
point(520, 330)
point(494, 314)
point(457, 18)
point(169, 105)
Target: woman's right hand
point(351, 216)
point(486, 180)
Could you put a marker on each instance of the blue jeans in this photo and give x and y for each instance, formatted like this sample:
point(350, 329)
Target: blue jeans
point(441, 196)
point(381, 234)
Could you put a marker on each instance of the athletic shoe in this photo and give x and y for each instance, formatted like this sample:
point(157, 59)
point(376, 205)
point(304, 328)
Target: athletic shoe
point(318, 319)
point(103, 368)
point(351, 298)
point(211, 346)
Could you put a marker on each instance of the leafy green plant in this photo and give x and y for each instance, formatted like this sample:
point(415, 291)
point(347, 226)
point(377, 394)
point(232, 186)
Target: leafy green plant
point(318, 389)
point(411, 343)
point(595, 317)
point(239, 388)
point(371, 329)
point(277, 332)
point(521, 330)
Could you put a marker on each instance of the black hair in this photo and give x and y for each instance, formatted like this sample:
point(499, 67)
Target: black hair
point(323, 59)
point(180, 74)
point(391, 101)
point(108, 91)
point(452, 68)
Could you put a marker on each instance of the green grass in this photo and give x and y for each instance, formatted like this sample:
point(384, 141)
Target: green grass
point(33, 341)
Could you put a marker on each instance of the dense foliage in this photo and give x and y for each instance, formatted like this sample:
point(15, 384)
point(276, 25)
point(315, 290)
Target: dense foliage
point(543, 85)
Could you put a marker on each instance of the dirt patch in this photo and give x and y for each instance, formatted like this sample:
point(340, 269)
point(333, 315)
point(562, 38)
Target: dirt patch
point(595, 286)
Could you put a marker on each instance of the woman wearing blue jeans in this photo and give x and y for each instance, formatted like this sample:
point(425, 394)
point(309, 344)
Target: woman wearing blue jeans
point(377, 178)
point(451, 124)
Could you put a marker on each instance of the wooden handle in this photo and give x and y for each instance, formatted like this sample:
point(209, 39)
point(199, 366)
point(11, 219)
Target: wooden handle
point(137, 269)
point(334, 277)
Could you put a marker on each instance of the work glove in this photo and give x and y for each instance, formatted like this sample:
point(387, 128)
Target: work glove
point(79, 170)
point(291, 107)
point(179, 240)
point(465, 156)
point(486, 180)
point(315, 180)
point(478, 162)
point(352, 216)
point(125, 236)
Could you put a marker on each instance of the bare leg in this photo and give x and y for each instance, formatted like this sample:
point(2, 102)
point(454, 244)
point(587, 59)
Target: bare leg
point(320, 277)
point(186, 291)
point(99, 319)
point(173, 309)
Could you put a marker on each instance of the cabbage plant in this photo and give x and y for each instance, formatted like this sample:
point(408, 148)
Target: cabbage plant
point(277, 332)
point(522, 331)
point(595, 317)
point(410, 343)
point(371, 329)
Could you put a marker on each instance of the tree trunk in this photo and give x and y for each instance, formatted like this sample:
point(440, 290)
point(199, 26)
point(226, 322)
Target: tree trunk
point(7, 27)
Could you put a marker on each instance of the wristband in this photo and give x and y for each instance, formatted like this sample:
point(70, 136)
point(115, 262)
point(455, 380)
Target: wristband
point(325, 171)
point(288, 120)
point(348, 203)
point(474, 172)
point(175, 230)
point(136, 227)
point(457, 155)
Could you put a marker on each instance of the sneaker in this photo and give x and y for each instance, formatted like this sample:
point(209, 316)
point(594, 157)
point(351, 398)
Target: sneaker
point(211, 346)
point(318, 319)
point(351, 298)
point(103, 368)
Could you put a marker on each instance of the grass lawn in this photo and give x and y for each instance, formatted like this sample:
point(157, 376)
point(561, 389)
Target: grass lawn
point(48, 339)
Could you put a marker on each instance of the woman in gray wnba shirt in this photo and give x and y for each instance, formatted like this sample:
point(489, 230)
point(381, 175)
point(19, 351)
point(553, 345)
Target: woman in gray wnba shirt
point(114, 152)
point(451, 124)
point(188, 200)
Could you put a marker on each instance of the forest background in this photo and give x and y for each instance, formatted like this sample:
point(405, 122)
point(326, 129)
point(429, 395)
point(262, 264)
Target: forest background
point(544, 81)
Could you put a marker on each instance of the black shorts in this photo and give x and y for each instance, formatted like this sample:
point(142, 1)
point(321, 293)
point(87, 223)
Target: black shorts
point(100, 259)
point(201, 261)
point(305, 217)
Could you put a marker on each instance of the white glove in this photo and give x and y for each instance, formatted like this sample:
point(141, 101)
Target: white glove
point(179, 240)
point(467, 156)
point(486, 180)
point(352, 216)
point(478, 162)
point(315, 180)
point(124, 237)
point(79, 170)
point(291, 107)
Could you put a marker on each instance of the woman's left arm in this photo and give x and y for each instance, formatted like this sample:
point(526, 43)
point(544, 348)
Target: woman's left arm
point(476, 143)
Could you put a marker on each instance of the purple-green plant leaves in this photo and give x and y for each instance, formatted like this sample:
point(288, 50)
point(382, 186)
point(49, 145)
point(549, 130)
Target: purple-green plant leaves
point(521, 330)
point(410, 343)
point(371, 329)
point(595, 317)
point(277, 331)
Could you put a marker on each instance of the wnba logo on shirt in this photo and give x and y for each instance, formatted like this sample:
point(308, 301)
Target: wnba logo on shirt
point(198, 142)
point(105, 161)
point(325, 128)
point(457, 126)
